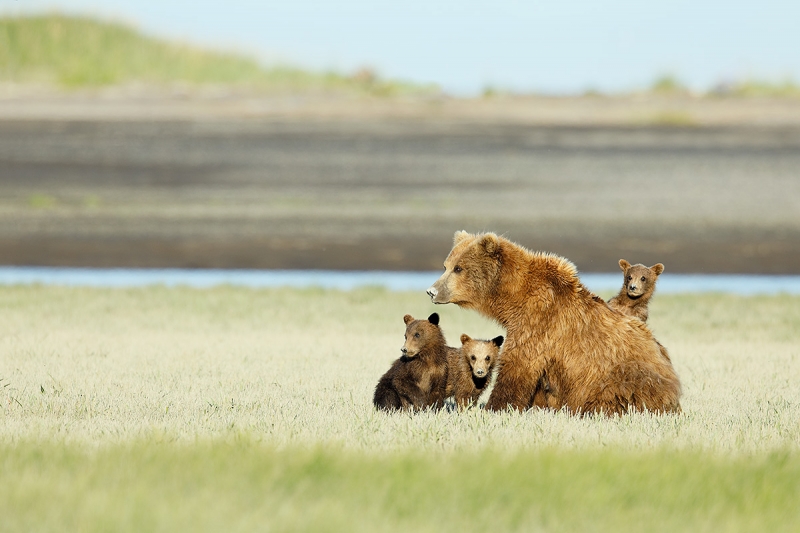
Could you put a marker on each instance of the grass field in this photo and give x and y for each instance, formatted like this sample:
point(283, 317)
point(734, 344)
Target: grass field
point(232, 409)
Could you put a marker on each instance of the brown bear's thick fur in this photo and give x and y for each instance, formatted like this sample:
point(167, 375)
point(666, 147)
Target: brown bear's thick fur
point(470, 367)
point(638, 285)
point(559, 335)
point(418, 379)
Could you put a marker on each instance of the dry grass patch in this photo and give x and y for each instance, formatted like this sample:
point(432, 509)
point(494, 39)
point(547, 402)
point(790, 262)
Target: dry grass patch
point(292, 367)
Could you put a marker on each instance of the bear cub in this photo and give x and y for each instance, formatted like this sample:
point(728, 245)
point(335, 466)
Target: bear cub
point(418, 379)
point(638, 285)
point(470, 368)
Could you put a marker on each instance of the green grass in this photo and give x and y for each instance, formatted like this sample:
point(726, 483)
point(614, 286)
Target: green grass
point(76, 52)
point(171, 409)
point(245, 486)
point(670, 85)
point(787, 88)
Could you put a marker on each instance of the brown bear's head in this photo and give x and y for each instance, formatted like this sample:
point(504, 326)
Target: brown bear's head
point(639, 279)
point(481, 355)
point(471, 271)
point(421, 334)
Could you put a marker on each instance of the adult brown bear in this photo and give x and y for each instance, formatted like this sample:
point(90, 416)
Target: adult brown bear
point(592, 359)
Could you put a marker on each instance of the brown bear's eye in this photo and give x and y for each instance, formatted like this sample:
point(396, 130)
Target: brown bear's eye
point(487, 357)
point(416, 335)
point(642, 278)
point(630, 278)
point(472, 357)
point(457, 269)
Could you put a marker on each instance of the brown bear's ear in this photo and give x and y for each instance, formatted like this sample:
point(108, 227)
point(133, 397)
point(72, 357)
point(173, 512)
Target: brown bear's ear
point(465, 338)
point(657, 269)
point(490, 243)
point(624, 265)
point(498, 341)
point(434, 319)
point(408, 319)
point(460, 237)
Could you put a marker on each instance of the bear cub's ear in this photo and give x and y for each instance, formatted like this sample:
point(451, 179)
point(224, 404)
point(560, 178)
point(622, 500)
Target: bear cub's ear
point(434, 319)
point(657, 269)
point(498, 341)
point(408, 319)
point(465, 338)
point(624, 265)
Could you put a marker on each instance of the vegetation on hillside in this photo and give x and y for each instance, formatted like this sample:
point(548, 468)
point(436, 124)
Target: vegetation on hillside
point(671, 85)
point(76, 52)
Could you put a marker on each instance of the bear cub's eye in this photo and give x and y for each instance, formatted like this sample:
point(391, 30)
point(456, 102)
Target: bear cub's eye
point(642, 278)
point(630, 278)
point(457, 269)
point(416, 335)
point(472, 357)
point(487, 357)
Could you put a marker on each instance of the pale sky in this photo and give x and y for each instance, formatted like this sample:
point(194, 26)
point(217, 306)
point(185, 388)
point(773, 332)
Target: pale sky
point(553, 47)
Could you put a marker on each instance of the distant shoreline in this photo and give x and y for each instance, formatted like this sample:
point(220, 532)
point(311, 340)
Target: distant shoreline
point(740, 284)
point(203, 103)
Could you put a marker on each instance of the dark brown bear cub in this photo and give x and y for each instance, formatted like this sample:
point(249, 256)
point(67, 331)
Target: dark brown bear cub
point(470, 367)
point(418, 379)
point(638, 285)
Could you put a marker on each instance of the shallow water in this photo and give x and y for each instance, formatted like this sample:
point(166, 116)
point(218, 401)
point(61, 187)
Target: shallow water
point(345, 280)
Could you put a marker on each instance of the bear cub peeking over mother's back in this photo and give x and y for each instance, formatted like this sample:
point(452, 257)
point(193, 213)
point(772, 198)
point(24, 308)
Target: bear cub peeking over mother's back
point(638, 286)
point(418, 379)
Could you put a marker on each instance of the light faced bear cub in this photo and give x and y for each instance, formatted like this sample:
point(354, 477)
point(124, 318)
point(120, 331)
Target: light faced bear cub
point(638, 286)
point(418, 379)
point(470, 368)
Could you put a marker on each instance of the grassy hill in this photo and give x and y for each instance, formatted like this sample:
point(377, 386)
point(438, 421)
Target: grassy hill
point(76, 52)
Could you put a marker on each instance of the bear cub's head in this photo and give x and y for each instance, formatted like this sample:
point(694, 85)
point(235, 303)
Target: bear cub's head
point(421, 334)
point(639, 279)
point(481, 355)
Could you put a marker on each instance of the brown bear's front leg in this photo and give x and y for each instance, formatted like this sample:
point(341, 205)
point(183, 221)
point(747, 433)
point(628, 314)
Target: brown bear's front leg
point(515, 386)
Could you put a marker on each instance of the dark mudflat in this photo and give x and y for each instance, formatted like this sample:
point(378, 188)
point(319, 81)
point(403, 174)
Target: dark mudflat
point(388, 194)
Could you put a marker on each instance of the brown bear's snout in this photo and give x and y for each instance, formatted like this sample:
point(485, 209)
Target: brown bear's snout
point(439, 293)
point(479, 372)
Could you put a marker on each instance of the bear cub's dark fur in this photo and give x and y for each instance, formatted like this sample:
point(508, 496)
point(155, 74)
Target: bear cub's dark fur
point(418, 379)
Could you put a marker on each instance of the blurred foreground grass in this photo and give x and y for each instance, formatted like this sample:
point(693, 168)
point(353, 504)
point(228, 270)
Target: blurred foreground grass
point(75, 52)
point(167, 409)
point(244, 486)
